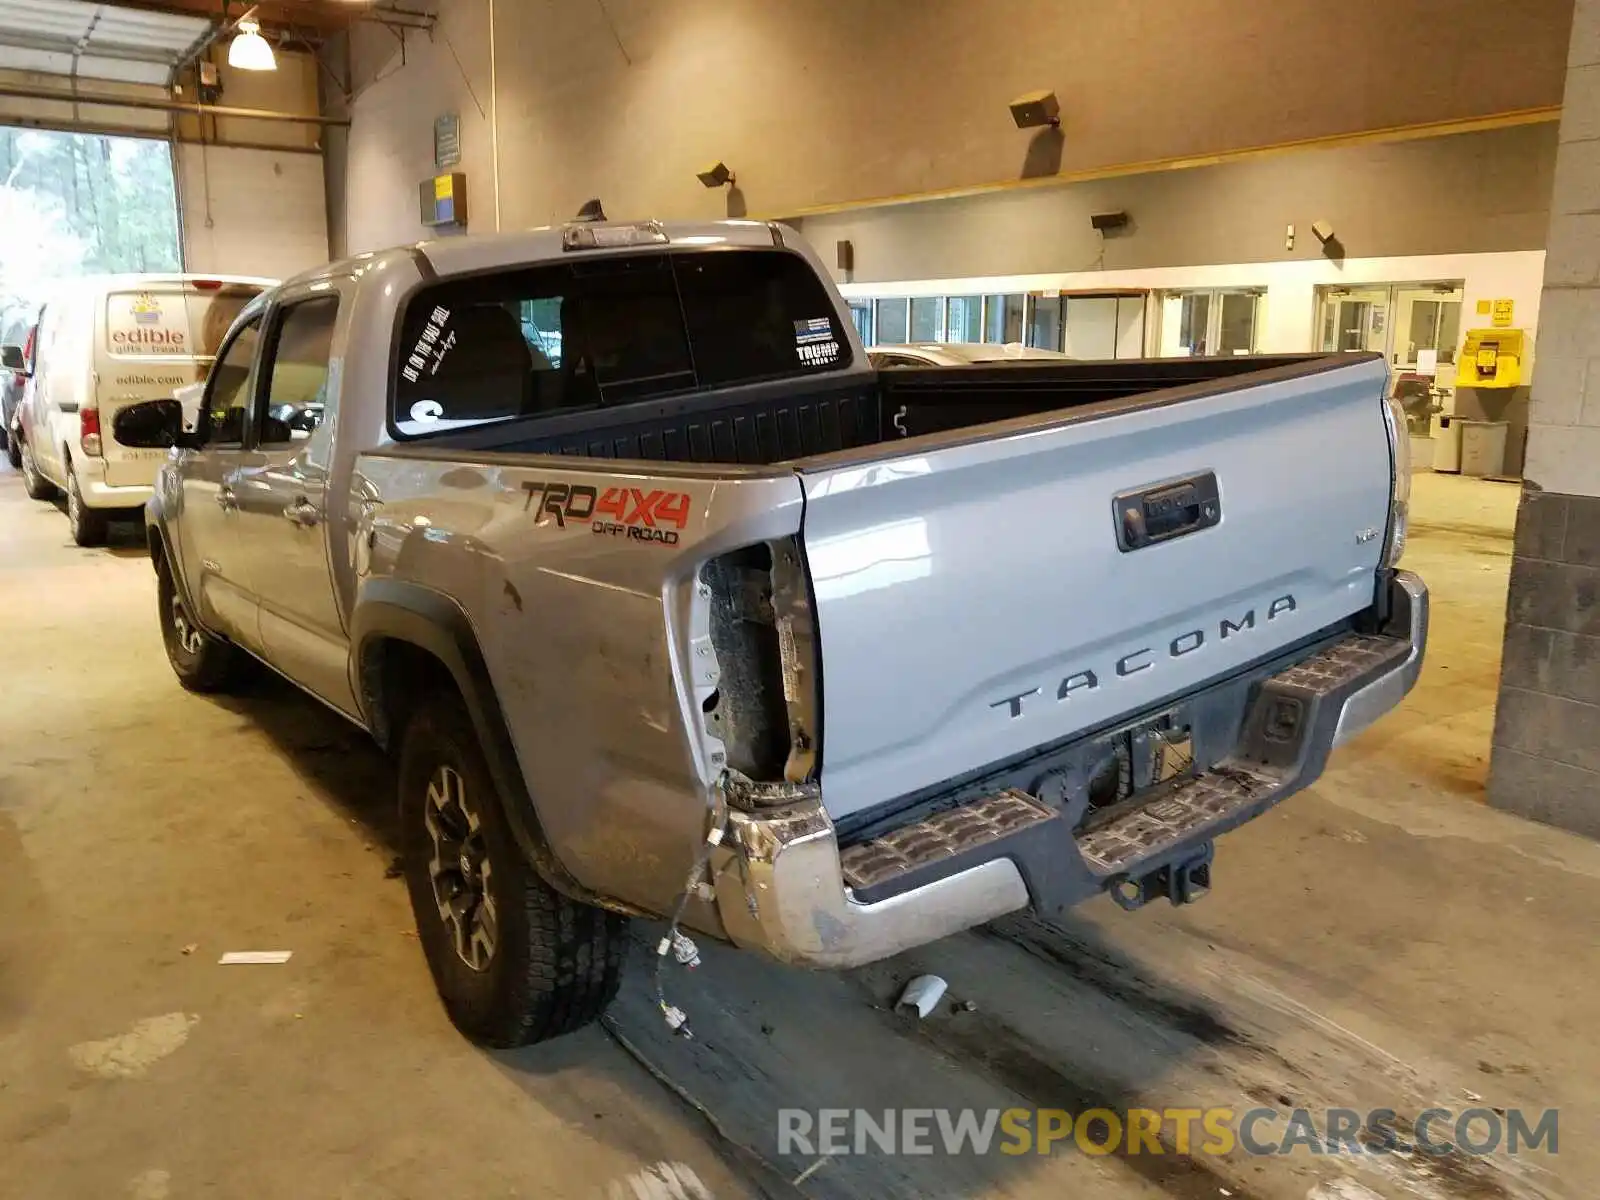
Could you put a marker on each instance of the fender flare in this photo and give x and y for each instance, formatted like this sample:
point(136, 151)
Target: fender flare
point(393, 610)
point(155, 532)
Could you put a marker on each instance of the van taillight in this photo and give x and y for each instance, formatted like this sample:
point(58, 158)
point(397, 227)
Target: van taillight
point(89, 431)
point(206, 285)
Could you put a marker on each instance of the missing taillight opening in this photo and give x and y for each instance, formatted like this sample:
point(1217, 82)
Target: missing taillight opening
point(762, 709)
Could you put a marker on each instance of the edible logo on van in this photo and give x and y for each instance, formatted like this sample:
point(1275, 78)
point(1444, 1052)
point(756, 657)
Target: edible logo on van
point(633, 513)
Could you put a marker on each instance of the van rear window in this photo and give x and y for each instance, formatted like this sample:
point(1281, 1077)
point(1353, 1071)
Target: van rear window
point(180, 320)
point(609, 330)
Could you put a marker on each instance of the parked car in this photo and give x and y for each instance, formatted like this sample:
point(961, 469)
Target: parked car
point(700, 616)
point(17, 319)
point(12, 384)
point(102, 345)
point(955, 354)
point(14, 436)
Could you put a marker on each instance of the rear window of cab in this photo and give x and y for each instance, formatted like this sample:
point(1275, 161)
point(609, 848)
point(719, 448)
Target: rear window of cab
point(605, 331)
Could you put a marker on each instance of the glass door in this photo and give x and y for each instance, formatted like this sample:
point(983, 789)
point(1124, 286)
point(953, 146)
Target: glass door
point(1002, 318)
point(1213, 321)
point(1046, 323)
point(1426, 319)
point(1355, 319)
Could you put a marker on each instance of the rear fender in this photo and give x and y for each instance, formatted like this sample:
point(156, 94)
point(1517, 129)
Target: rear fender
point(394, 611)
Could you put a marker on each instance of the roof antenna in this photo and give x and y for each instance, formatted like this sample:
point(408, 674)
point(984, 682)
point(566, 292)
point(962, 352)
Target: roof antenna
point(591, 211)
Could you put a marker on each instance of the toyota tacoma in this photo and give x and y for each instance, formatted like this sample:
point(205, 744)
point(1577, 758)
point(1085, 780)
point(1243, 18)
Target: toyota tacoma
point(669, 605)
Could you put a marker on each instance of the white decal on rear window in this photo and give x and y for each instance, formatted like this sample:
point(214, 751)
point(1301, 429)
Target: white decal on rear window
point(424, 411)
point(814, 342)
point(431, 347)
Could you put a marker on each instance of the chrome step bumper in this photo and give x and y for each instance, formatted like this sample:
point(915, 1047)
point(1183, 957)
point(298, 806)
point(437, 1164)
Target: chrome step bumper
point(785, 887)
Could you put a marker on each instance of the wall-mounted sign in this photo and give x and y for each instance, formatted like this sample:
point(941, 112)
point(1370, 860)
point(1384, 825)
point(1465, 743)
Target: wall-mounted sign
point(1504, 314)
point(446, 142)
point(444, 200)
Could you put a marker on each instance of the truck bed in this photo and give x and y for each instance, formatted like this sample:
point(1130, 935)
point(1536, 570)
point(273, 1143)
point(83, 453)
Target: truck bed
point(789, 420)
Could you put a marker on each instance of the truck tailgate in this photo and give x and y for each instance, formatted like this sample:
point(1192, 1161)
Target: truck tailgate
point(974, 600)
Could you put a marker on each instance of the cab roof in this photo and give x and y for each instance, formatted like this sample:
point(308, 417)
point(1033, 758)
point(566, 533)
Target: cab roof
point(479, 252)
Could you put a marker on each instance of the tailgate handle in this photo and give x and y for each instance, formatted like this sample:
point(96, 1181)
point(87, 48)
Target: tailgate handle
point(1164, 511)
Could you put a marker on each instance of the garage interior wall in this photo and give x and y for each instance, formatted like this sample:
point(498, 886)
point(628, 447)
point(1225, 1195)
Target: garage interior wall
point(1467, 193)
point(813, 102)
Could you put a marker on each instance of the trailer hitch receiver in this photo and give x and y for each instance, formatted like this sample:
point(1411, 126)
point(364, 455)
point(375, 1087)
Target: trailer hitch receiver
point(1181, 882)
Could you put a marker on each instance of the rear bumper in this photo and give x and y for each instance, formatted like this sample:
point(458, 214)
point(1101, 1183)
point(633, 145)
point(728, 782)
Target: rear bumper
point(97, 493)
point(785, 887)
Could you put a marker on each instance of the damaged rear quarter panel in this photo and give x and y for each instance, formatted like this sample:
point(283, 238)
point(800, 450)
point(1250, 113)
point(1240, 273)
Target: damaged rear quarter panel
point(584, 628)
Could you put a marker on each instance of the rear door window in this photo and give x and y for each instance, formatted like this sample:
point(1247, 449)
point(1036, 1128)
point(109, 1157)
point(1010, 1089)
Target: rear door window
point(296, 396)
point(174, 319)
point(607, 331)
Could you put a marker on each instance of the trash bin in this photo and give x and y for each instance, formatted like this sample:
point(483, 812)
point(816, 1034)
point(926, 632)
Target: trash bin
point(1483, 447)
point(1447, 444)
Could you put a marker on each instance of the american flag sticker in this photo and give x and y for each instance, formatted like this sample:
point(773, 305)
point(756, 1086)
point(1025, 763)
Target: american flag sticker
point(817, 329)
point(814, 342)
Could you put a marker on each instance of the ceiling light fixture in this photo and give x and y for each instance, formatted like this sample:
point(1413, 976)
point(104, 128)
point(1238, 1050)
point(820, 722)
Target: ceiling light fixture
point(249, 51)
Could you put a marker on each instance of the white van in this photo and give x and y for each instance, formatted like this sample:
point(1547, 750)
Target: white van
point(103, 344)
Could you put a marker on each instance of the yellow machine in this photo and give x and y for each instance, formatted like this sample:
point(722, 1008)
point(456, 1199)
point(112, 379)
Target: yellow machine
point(1491, 358)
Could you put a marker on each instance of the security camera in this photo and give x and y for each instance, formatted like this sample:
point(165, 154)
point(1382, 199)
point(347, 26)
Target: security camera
point(1035, 110)
point(716, 175)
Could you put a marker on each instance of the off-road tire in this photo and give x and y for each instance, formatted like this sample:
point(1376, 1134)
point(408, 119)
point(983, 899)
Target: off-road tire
point(202, 663)
point(35, 484)
point(88, 525)
point(556, 963)
point(14, 451)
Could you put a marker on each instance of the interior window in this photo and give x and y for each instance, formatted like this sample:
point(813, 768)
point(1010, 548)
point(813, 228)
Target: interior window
point(297, 380)
point(893, 317)
point(926, 325)
point(228, 392)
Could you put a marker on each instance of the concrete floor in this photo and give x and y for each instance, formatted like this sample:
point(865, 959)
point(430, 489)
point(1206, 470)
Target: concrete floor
point(1382, 940)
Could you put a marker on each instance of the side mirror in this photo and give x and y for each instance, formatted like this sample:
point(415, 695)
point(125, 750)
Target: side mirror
point(11, 358)
point(152, 425)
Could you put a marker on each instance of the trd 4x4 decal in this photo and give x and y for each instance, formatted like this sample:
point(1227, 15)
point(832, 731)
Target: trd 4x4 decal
point(641, 516)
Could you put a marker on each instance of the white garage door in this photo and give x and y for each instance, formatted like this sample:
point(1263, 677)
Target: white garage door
point(252, 212)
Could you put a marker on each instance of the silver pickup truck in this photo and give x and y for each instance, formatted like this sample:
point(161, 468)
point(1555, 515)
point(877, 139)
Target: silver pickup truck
point(669, 605)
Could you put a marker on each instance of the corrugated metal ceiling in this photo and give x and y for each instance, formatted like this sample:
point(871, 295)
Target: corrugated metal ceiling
point(95, 41)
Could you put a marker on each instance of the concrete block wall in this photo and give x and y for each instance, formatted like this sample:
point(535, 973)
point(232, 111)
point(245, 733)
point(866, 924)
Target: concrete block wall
point(1546, 761)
